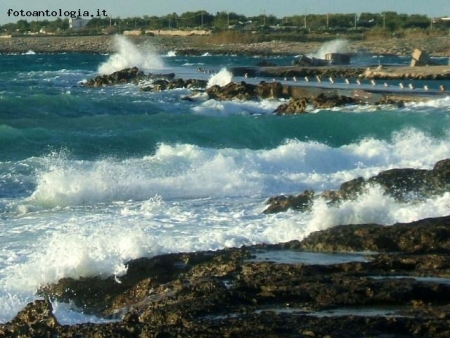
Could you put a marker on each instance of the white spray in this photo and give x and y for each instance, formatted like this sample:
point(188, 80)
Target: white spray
point(222, 78)
point(335, 46)
point(128, 55)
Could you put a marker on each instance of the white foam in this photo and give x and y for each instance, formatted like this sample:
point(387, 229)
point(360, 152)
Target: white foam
point(128, 55)
point(443, 102)
point(222, 78)
point(227, 108)
point(189, 171)
point(334, 46)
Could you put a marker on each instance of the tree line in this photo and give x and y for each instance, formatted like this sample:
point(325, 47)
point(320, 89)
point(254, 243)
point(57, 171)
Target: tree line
point(388, 21)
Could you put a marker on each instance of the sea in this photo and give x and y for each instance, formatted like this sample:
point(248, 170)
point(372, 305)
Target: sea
point(91, 178)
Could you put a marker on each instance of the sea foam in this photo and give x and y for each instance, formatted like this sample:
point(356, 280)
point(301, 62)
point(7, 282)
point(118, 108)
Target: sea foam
point(222, 78)
point(190, 171)
point(128, 55)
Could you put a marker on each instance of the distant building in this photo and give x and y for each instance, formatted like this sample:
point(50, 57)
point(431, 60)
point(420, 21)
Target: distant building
point(77, 23)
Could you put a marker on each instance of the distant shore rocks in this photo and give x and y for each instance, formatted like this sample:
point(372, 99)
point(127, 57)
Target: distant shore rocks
point(434, 45)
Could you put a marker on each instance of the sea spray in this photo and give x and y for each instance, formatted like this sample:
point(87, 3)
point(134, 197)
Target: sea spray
point(129, 55)
point(222, 78)
point(334, 46)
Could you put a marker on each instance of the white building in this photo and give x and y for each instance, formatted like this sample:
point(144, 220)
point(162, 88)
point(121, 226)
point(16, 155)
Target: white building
point(77, 23)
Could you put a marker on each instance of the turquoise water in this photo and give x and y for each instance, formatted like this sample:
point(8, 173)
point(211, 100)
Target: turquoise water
point(93, 177)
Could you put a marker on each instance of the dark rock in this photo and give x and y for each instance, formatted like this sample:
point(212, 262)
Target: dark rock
point(233, 90)
point(428, 235)
point(246, 91)
point(265, 63)
point(326, 102)
point(302, 202)
point(402, 184)
point(120, 77)
point(35, 320)
point(223, 293)
point(127, 75)
point(292, 107)
point(269, 90)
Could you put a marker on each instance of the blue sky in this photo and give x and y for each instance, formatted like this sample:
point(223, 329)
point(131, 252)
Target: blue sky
point(280, 8)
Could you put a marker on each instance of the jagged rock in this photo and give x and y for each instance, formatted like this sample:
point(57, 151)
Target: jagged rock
point(126, 75)
point(225, 293)
point(326, 102)
point(302, 202)
point(165, 84)
point(428, 235)
point(35, 320)
point(269, 90)
point(246, 91)
point(231, 91)
point(297, 106)
point(402, 184)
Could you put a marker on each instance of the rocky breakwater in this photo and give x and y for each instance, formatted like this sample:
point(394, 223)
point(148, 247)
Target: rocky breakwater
point(301, 98)
point(408, 73)
point(290, 72)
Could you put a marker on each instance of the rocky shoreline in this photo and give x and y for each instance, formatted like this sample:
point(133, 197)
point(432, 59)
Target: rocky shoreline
point(361, 280)
point(435, 46)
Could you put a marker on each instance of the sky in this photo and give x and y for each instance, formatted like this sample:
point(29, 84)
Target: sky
point(279, 8)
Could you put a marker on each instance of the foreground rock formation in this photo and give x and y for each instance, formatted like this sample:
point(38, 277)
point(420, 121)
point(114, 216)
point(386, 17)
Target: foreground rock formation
point(239, 293)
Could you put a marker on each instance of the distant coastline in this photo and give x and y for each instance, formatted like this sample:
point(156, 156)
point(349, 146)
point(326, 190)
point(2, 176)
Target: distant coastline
point(191, 45)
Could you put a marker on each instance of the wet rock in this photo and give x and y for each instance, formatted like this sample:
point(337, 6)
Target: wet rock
point(246, 91)
point(225, 293)
point(35, 320)
point(168, 84)
point(428, 235)
point(404, 185)
point(323, 101)
point(126, 75)
point(293, 107)
point(232, 91)
point(269, 90)
point(301, 202)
